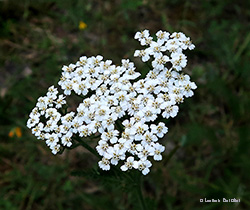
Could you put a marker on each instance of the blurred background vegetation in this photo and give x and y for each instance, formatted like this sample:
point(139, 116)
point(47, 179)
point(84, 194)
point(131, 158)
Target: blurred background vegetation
point(212, 128)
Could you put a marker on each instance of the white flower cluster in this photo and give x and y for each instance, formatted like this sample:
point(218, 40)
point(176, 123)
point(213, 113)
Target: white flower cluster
point(121, 111)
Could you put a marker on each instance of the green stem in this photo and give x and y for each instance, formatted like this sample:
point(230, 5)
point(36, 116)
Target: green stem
point(61, 151)
point(65, 109)
point(86, 146)
point(149, 66)
point(74, 146)
point(139, 192)
point(95, 136)
point(171, 154)
point(119, 125)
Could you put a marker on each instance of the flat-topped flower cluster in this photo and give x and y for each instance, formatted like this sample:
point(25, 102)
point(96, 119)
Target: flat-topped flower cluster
point(123, 112)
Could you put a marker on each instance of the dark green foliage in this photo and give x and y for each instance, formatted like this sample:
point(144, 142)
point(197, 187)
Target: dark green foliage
point(208, 144)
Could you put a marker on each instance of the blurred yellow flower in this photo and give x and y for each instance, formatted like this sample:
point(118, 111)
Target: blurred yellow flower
point(15, 131)
point(82, 25)
point(11, 134)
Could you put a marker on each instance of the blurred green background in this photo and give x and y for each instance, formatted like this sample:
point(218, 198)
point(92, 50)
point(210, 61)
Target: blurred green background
point(212, 128)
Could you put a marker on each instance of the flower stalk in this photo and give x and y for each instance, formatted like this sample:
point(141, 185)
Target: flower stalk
point(86, 146)
point(139, 187)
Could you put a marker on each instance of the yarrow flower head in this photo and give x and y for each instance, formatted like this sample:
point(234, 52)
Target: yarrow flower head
point(121, 112)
